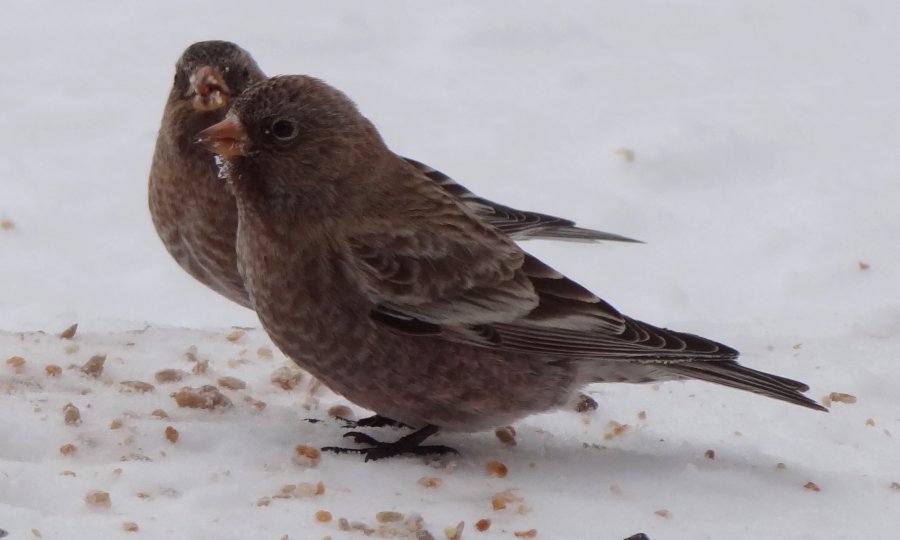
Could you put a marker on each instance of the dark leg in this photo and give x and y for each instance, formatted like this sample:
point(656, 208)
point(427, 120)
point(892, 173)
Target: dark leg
point(375, 421)
point(410, 444)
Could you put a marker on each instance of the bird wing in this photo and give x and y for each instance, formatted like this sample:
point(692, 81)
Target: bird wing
point(519, 224)
point(446, 271)
point(445, 266)
point(441, 265)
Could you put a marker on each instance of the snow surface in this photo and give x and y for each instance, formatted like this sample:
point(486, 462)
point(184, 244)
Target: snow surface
point(765, 181)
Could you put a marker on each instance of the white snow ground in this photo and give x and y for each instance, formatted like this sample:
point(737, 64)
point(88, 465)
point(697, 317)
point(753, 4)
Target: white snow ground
point(765, 180)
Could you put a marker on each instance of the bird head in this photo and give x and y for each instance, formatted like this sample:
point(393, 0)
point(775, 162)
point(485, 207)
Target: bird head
point(210, 74)
point(296, 135)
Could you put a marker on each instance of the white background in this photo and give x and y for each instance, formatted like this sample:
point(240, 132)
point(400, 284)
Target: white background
point(766, 169)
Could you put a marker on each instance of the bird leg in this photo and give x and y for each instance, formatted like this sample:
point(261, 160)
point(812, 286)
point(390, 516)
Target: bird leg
point(409, 444)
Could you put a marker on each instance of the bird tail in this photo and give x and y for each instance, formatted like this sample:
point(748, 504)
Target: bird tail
point(730, 373)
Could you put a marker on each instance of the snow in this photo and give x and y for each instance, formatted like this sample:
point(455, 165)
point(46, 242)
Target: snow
point(765, 182)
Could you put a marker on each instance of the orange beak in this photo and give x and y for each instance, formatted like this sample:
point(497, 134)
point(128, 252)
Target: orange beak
point(227, 138)
point(208, 88)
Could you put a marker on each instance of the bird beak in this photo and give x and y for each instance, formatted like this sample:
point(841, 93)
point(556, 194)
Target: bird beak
point(227, 138)
point(208, 89)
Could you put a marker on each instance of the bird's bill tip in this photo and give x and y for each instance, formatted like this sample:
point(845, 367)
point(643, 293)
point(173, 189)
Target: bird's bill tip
point(208, 89)
point(227, 138)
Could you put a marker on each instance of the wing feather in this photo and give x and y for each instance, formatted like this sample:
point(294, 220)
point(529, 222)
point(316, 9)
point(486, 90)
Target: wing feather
point(449, 272)
point(519, 224)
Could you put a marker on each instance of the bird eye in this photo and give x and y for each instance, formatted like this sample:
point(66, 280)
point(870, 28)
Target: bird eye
point(284, 129)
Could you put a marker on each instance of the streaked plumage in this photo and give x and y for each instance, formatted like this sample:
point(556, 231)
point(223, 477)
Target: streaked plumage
point(401, 297)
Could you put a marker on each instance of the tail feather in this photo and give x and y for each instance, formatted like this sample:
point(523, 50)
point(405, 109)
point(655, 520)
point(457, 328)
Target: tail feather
point(734, 375)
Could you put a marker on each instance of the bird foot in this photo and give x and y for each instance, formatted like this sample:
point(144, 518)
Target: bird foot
point(375, 421)
point(410, 444)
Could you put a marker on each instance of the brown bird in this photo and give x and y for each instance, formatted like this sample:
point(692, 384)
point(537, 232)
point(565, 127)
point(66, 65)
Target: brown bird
point(406, 301)
point(197, 219)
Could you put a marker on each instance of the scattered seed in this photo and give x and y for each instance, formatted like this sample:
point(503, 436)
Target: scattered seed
point(663, 513)
point(206, 397)
point(430, 482)
point(496, 469)
point(500, 500)
point(642, 415)
point(69, 332)
point(362, 527)
point(7, 225)
point(135, 387)
point(171, 434)
point(264, 353)
point(130, 526)
point(455, 533)
point(159, 413)
point(255, 403)
point(200, 367)
point(232, 383)
point(863, 266)
point(71, 348)
point(710, 454)
point(169, 375)
point(615, 429)
point(482, 525)
point(507, 435)
point(323, 516)
point(52, 370)
point(531, 533)
point(68, 450)
point(388, 517)
point(286, 377)
point(870, 422)
point(340, 411)
point(94, 366)
point(286, 491)
point(98, 499)
point(235, 335)
point(811, 486)
point(839, 397)
point(15, 362)
point(306, 456)
point(71, 414)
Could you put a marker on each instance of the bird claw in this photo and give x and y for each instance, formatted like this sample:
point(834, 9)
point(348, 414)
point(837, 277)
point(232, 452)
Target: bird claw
point(361, 438)
point(410, 444)
point(374, 421)
point(386, 450)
